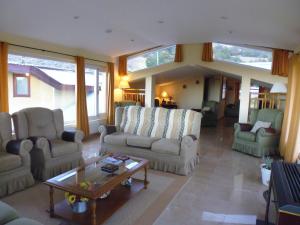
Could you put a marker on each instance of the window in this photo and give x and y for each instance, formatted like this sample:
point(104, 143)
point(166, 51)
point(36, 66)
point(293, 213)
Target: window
point(242, 55)
point(95, 81)
point(151, 58)
point(51, 84)
point(21, 85)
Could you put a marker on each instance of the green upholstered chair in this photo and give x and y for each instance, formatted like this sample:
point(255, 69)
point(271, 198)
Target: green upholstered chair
point(210, 118)
point(265, 140)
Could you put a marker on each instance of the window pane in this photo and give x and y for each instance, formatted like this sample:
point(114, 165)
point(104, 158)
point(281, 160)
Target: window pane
point(241, 55)
point(52, 85)
point(95, 81)
point(22, 86)
point(151, 59)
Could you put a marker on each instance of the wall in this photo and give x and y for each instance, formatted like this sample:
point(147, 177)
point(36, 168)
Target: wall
point(186, 98)
point(214, 88)
point(39, 92)
point(192, 56)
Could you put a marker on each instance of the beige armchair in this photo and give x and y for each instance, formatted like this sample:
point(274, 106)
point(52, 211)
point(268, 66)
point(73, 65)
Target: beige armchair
point(55, 150)
point(15, 172)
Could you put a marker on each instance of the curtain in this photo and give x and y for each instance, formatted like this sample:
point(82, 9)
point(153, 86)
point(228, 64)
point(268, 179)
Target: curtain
point(178, 54)
point(290, 135)
point(123, 65)
point(207, 52)
point(3, 77)
point(110, 97)
point(280, 65)
point(82, 121)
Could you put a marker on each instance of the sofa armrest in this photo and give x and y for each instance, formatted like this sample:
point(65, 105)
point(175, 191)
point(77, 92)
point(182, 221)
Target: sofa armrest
point(73, 136)
point(105, 130)
point(189, 146)
point(267, 137)
point(21, 148)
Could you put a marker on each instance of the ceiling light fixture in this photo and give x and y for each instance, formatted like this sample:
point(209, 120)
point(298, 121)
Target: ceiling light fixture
point(230, 32)
point(108, 31)
point(224, 18)
point(132, 40)
point(76, 17)
point(160, 21)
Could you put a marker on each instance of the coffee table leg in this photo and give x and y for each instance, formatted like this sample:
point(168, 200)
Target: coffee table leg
point(51, 192)
point(145, 178)
point(93, 209)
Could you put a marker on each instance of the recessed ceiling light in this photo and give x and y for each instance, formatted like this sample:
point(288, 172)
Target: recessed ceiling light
point(76, 17)
point(132, 40)
point(230, 32)
point(160, 21)
point(224, 17)
point(108, 31)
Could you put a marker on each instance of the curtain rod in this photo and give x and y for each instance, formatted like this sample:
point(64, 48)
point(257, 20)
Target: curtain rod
point(60, 53)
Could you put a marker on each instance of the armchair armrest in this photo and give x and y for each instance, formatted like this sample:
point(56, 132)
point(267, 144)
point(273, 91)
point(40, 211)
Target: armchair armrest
point(105, 130)
point(21, 148)
point(189, 146)
point(73, 136)
point(267, 137)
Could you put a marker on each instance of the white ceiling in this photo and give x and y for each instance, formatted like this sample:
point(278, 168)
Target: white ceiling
point(270, 23)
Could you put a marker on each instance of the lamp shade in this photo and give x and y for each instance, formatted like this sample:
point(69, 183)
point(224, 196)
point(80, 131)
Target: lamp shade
point(278, 88)
point(124, 84)
point(164, 94)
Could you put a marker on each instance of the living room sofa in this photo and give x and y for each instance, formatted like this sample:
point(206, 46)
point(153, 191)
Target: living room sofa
point(263, 142)
point(15, 172)
point(168, 138)
point(9, 216)
point(55, 150)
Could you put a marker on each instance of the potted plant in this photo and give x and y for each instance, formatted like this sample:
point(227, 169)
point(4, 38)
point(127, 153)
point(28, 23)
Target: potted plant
point(77, 203)
point(265, 169)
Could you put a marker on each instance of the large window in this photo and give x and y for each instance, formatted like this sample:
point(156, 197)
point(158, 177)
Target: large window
point(95, 81)
point(151, 58)
point(243, 55)
point(41, 82)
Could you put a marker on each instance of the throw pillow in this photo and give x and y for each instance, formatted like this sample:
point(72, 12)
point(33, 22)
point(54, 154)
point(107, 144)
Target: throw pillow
point(260, 124)
point(206, 109)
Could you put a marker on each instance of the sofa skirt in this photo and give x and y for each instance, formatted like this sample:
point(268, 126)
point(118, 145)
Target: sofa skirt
point(15, 180)
point(157, 161)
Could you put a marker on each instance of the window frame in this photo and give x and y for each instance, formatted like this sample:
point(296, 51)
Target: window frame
point(15, 86)
point(244, 46)
point(149, 51)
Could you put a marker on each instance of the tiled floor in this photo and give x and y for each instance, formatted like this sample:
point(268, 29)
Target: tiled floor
point(225, 182)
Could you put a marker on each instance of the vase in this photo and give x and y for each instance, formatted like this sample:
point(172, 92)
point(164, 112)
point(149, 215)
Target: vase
point(265, 174)
point(79, 207)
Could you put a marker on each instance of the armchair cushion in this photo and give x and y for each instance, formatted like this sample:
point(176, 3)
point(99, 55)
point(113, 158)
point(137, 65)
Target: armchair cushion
point(166, 146)
point(247, 136)
point(13, 147)
point(61, 147)
point(9, 161)
point(260, 124)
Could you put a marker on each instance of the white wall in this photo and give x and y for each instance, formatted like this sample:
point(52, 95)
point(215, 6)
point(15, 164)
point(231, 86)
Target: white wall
point(186, 98)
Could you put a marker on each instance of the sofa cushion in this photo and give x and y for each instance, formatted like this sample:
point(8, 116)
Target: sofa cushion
point(24, 221)
point(166, 146)
point(9, 161)
point(117, 138)
point(247, 136)
point(60, 147)
point(7, 213)
point(140, 141)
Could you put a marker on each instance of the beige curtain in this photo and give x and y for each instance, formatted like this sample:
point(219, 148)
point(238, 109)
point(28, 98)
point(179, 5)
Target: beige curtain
point(290, 136)
point(122, 65)
point(280, 64)
point(178, 54)
point(82, 121)
point(207, 52)
point(3, 77)
point(110, 96)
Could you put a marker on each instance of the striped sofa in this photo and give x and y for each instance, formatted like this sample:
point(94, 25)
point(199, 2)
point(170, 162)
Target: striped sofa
point(168, 138)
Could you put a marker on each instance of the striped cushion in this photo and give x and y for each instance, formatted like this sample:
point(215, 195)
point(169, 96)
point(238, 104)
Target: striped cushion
point(160, 122)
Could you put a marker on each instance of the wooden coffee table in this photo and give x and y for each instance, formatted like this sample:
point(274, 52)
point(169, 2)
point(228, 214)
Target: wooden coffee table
point(100, 183)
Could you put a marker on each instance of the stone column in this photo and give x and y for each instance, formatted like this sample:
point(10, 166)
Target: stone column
point(244, 99)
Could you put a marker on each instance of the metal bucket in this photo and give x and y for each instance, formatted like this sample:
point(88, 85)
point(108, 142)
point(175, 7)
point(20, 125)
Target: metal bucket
point(79, 207)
